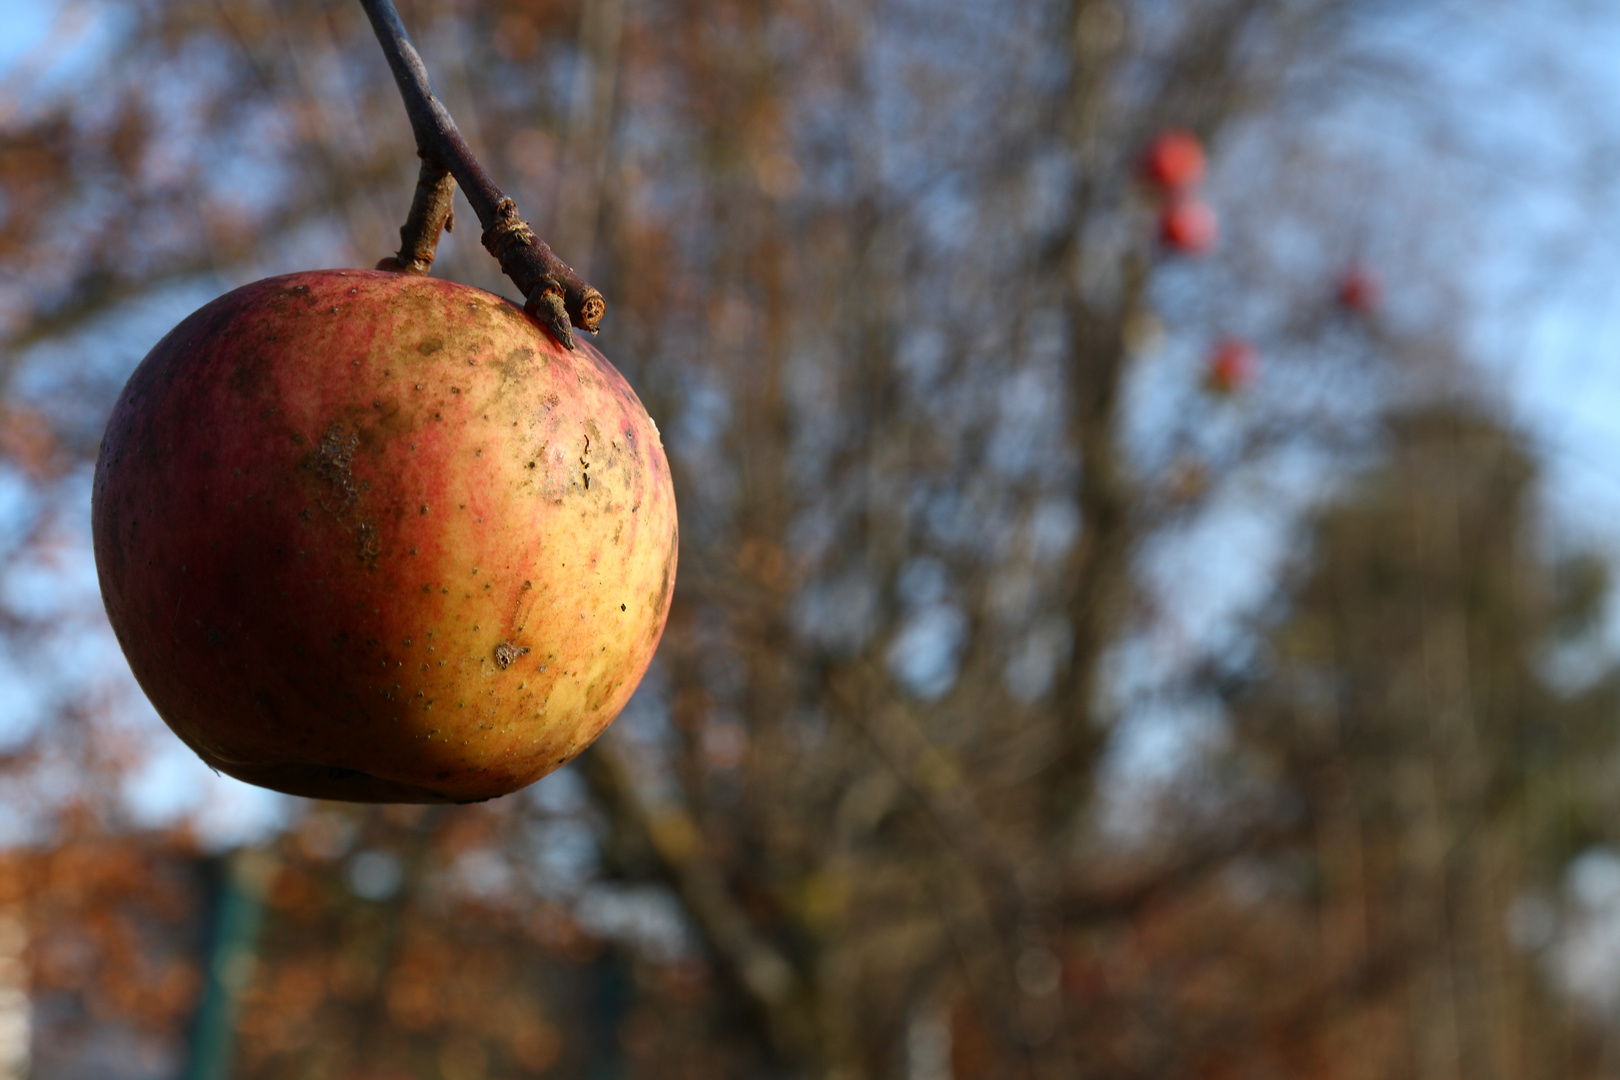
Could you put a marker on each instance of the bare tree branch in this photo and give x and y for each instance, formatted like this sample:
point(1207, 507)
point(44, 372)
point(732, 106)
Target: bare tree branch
point(753, 963)
point(553, 293)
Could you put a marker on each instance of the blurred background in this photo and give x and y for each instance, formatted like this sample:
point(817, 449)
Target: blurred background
point(1134, 619)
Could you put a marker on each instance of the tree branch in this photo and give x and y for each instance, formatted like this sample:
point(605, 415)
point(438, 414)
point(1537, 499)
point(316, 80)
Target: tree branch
point(764, 974)
point(432, 212)
point(941, 793)
point(553, 293)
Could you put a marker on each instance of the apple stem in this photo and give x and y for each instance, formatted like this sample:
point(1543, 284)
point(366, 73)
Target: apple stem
point(553, 293)
point(432, 211)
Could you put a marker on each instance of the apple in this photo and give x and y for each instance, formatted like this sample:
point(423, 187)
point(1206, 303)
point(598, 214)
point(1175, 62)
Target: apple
point(1174, 161)
point(1360, 290)
point(378, 537)
point(1232, 366)
point(1187, 225)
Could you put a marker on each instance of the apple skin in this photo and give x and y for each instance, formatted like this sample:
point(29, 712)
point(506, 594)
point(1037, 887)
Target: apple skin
point(379, 538)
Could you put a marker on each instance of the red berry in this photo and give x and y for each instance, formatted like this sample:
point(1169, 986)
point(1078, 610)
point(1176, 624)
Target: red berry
point(1232, 366)
point(1189, 226)
point(1174, 161)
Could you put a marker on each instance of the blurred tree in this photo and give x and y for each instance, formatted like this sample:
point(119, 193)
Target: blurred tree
point(113, 944)
point(1417, 783)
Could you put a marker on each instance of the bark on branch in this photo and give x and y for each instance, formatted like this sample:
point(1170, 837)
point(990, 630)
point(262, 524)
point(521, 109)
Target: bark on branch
point(553, 293)
point(432, 212)
point(768, 979)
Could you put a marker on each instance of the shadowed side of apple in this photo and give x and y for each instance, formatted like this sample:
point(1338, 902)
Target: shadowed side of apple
point(378, 537)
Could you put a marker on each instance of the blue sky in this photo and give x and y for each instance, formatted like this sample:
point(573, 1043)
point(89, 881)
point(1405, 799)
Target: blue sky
point(25, 24)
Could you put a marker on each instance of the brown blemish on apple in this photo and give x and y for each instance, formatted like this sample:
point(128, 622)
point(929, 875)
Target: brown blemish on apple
point(506, 654)
point(333, 462)
point(248, 377)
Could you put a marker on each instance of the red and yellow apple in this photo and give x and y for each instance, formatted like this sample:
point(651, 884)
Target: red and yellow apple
point(378, 537)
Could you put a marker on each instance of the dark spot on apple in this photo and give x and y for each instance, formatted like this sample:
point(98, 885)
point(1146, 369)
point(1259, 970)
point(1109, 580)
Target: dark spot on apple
point(248, 377)
point(333, 463)
point(429, 346)
point(368, 543)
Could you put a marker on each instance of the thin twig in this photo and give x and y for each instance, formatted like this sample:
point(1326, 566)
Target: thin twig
point(553, 293)
point(432, 212)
